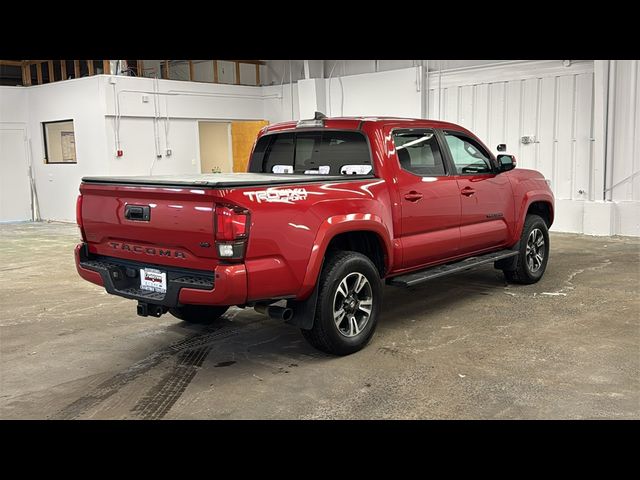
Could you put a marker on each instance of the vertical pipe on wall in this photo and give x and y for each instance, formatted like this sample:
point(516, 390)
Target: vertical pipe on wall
point(439, 89)
point(609, 125)
point(291, 88)
point(425, 70)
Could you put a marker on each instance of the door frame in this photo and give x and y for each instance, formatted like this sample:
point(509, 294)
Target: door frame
point(22, 127)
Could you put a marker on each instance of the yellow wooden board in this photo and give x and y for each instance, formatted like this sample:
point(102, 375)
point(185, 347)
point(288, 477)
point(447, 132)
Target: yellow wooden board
point(243, 135)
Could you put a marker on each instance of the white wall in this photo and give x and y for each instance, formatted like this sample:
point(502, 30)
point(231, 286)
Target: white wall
point(623, 178)
point(91, 103)
point(278, 105)
point(80, 100)
point(187, 103)
point(390, 93)
point(13, 105)
point(567, 108)
point(557, 104)
point(275, 69)
point(15, 191)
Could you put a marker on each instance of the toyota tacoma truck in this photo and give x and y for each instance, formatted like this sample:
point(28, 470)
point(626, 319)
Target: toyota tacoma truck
point(328, 211)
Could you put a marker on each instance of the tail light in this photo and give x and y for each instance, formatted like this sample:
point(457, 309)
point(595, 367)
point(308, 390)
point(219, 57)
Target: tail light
point(79, 217)
point(232, 231)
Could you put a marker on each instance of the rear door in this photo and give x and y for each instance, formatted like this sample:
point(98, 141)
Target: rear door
point(429, 198)
point(486, 197)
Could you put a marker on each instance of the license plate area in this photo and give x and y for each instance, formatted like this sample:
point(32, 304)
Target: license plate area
point(153, 280)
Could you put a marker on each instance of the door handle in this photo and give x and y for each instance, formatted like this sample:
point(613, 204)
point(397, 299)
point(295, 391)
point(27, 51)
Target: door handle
point(468, 191)
point(139, 213)
point(413, 196)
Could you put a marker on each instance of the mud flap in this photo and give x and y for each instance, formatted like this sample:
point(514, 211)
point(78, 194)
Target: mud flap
point(304, 312)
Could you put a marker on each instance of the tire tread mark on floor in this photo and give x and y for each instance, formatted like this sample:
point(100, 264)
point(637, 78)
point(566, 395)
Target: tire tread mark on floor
point(162, 396)
point(113, 384)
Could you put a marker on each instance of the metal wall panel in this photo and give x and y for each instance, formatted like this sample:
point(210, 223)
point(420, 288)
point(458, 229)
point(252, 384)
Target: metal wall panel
point(513, 107)
point(636, 133)
point(547, 127)
point(583, 133)
point(555, 109)
point(497, 120)
point(564, 137)
point(626, 153)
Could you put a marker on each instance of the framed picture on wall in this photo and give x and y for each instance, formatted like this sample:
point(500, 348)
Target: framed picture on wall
point(68, 141)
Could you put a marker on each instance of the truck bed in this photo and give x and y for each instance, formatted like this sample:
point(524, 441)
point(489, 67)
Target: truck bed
point(221, 180)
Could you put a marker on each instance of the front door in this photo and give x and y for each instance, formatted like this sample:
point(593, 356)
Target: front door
point(429, 199)
point(486, 197)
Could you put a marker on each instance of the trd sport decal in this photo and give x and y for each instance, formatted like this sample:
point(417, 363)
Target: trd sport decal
point(285, 195)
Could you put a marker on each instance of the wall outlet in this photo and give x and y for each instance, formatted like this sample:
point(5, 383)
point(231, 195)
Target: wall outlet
point(145, 98)
point(193, 161)
point(168, 152)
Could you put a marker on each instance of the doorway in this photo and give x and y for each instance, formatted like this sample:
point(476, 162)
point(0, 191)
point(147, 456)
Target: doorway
point(15, 188)
point(225, 146)
point(215, 147)
point(243, 135)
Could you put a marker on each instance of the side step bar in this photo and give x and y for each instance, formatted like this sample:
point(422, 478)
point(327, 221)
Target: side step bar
point(415, 278)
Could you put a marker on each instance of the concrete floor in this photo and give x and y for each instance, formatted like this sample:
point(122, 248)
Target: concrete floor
point(467, 347)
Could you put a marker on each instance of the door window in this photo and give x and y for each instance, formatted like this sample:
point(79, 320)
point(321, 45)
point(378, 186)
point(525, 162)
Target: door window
point(468, 156)
point(418, 152)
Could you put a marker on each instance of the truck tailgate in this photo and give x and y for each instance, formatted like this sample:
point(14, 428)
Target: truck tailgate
point(166, 225)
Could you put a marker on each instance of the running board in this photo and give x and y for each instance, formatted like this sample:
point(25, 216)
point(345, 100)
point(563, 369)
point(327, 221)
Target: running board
point(415, 278)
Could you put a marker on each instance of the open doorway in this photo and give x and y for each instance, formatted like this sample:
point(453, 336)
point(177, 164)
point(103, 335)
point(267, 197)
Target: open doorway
point(225, 146)
point(215, 147)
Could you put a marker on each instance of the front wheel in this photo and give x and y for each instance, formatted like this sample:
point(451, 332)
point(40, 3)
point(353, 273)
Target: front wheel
point(533, 255)
point(203, 314)
point(349, 303)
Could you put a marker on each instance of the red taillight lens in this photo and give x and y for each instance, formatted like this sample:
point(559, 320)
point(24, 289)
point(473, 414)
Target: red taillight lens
point(79, 211)
point(232, 229)
point(79, 216)
point(231, 223)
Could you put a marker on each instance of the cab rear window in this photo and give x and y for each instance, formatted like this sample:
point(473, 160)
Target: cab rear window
point(312, 153)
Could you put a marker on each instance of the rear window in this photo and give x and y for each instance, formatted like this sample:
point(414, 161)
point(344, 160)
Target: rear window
point(313, 153)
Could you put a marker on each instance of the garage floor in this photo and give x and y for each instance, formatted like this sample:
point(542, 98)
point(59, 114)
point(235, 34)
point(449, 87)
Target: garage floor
point(468, 347)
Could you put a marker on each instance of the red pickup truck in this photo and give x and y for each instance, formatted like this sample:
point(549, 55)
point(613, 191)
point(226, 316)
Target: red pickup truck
point(329, 209)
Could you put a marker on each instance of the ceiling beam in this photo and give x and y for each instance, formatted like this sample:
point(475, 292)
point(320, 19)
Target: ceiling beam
point(250, 62)
point(11, 63)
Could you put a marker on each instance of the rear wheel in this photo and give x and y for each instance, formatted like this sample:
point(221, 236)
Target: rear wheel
point(349, 302)
point(533, 255)
point(202, 314)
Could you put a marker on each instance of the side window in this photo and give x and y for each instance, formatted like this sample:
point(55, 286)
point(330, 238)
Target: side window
point(418, 152)
point(468, 156)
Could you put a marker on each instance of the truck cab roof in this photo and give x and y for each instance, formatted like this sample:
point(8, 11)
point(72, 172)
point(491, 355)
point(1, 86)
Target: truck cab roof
point(357, 123)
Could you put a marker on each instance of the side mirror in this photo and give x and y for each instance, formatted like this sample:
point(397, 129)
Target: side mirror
point(502, 147)
point(506, 162)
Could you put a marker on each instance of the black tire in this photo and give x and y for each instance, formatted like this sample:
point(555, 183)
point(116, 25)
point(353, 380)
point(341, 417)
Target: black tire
point(527, 268)
point(201, 314)
point(343, 338)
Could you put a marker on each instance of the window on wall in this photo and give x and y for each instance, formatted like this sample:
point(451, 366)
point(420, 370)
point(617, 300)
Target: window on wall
point(59, 142)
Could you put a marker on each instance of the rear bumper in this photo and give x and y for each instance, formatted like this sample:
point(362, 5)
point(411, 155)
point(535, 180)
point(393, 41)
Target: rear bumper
point(226, 285)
